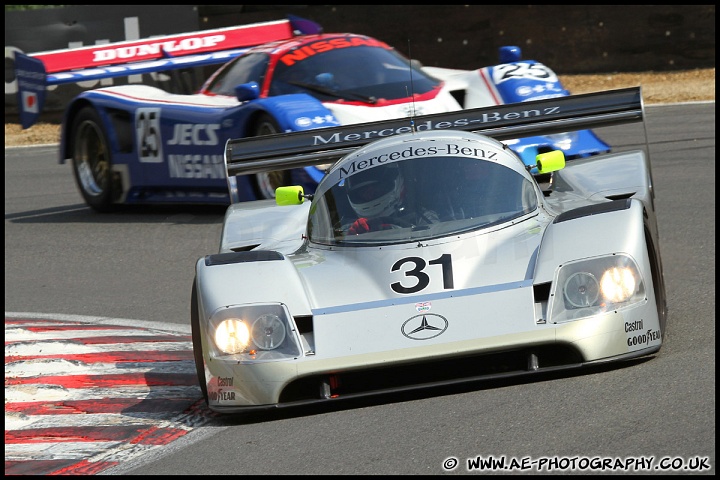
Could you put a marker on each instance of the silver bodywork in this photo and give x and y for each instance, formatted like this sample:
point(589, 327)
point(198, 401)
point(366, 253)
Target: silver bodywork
point(387, 315)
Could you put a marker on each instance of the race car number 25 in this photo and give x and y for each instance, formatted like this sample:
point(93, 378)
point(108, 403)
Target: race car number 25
point(417, 270)
point(147, 132)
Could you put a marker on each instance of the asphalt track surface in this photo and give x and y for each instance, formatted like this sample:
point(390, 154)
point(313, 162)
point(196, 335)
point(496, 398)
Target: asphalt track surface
point(99, 376)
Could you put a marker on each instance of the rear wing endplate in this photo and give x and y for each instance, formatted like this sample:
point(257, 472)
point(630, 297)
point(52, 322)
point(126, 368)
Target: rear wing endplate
point(37, 71)
point(503, 122)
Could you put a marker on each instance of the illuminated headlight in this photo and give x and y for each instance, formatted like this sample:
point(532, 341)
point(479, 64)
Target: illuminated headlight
point(254, 332)
point(232, 335)
point(590, 287)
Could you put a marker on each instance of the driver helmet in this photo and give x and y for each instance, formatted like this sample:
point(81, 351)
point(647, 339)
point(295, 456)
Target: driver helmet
point(376, 192)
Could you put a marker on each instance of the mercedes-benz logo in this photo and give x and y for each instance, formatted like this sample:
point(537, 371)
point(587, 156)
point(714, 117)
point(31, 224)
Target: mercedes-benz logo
point(424, 327)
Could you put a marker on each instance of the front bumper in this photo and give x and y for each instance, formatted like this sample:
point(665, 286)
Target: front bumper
point(239, 387)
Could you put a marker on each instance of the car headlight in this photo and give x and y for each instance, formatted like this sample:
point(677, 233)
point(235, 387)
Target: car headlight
point(581, 289)
point(232, 335)
point(268, 332)
point(589, 287)
point(254, 332)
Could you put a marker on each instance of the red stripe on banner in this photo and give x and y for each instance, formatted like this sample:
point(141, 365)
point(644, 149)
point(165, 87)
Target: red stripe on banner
point(107, 433)
point(56, 467)
point(102, 405)
point(156, 47)
point(113, 380)
point(110, 357)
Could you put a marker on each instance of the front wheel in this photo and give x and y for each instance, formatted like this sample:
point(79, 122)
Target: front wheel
point(267, 182)
point(91, 161)
point(658, 280)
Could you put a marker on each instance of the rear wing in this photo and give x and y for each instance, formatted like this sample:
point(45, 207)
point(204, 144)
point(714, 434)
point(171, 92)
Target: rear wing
point(37, 71)
point(503, 122)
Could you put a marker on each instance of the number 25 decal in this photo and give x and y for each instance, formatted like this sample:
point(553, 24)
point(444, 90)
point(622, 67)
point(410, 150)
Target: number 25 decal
point(423, 279)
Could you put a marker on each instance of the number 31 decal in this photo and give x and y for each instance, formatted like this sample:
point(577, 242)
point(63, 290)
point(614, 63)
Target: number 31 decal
point(422, 278)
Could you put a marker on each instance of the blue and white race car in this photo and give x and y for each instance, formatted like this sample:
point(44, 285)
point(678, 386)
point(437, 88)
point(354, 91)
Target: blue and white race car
point(135, 144)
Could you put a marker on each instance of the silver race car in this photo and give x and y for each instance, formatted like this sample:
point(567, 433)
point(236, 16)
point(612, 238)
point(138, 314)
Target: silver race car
point(430, 254)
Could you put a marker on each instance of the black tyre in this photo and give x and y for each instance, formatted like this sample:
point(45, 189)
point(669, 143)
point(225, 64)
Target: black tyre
point(197, 341)
point(658, 280)
point(267, 182)
point(92, 162)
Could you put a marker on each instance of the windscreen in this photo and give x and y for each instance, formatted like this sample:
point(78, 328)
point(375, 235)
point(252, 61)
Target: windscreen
point(419, 199)
point(357, 73)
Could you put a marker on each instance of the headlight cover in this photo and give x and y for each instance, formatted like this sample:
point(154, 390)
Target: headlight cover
point(257, 333)
point(589, 287)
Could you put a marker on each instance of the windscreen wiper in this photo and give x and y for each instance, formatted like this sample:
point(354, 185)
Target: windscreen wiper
point(334, 93)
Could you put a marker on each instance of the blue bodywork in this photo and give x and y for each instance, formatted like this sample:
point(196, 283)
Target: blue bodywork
point(176, 155)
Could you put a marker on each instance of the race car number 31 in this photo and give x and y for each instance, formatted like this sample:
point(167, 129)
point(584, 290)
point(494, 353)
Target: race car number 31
point(418, 271)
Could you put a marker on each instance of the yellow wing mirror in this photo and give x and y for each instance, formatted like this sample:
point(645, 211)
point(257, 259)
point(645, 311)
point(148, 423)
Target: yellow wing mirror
point(293, 195)
point(550, 161)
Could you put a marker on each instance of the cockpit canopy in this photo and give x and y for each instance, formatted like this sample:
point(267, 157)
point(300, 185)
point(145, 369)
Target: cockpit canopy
point(425, 194)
